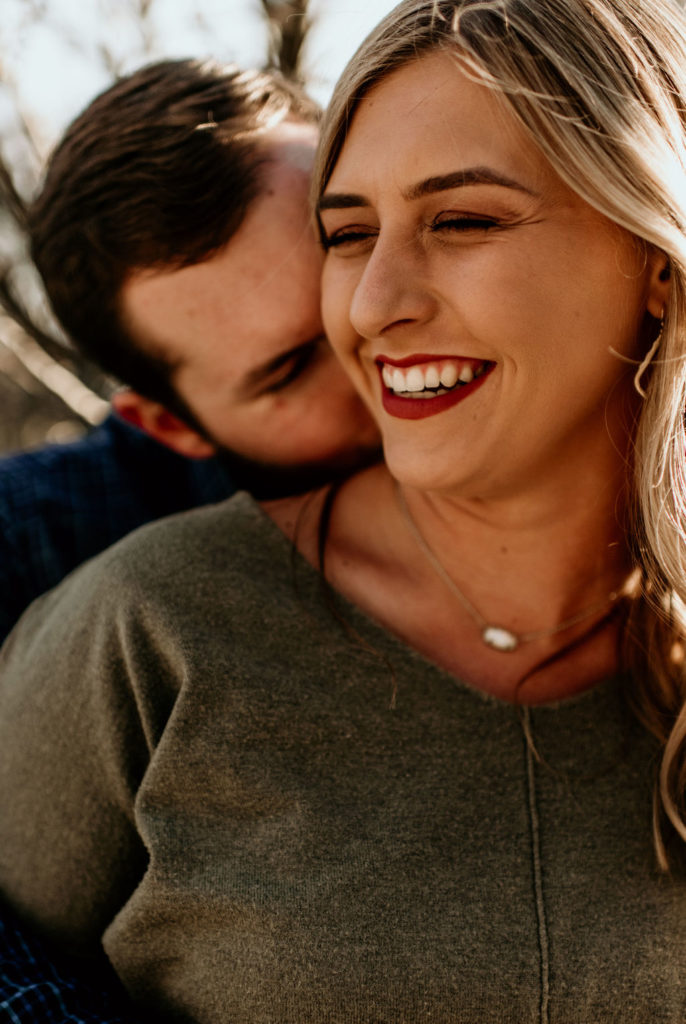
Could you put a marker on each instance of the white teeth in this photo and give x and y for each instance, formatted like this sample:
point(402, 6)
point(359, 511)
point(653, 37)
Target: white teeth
point(431, 377)
point(398, 380)
point(449, 375)
point(414, 379)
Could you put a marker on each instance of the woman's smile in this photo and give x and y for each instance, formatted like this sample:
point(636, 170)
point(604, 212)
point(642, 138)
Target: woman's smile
point(420, 386)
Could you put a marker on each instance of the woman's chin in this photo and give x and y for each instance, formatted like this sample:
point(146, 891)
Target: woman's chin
point(421, 475)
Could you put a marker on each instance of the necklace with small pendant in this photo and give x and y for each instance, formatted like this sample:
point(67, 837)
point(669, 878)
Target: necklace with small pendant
point(498, 638)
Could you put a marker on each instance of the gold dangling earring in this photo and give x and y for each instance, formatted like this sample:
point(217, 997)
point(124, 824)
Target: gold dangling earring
point(645, 362)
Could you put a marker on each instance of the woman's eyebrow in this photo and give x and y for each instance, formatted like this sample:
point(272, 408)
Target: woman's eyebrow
point(437, 183)
point(341, 201)
point(463, 178)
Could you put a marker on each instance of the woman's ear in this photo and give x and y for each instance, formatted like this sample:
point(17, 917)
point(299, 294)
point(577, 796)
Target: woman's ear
point(659, 283)
point(156, 421)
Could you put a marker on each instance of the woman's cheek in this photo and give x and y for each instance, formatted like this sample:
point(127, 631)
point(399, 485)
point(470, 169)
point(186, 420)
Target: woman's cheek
point(336, 300)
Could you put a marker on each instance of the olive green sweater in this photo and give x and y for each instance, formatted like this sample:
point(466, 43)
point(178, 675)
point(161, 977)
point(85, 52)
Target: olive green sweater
point(200, 767)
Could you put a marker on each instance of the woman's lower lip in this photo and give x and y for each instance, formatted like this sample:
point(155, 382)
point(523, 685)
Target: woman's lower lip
point(420, 408)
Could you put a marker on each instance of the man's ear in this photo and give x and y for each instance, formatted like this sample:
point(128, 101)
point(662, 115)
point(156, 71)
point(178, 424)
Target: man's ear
point(164, 426)
point(660, 284)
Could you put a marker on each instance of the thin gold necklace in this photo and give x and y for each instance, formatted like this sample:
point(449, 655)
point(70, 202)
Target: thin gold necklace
point(497, 637)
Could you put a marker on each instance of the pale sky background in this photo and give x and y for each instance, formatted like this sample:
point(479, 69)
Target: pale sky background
point(51, 60)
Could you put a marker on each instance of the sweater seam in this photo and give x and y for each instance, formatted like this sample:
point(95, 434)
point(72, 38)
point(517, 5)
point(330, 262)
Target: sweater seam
point(537, 869)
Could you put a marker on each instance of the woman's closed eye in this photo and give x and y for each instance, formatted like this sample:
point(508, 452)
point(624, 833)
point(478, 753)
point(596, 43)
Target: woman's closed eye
point(464, 222)
point(356, 234)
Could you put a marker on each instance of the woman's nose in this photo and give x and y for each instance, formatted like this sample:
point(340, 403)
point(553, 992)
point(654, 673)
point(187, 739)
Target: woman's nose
point(391, 290)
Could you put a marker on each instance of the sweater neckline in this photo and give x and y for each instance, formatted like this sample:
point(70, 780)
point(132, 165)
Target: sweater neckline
point(379, 634)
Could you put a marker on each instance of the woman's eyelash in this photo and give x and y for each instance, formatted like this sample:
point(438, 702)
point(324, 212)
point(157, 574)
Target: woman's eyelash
point(343, 238)
point(465, 223)
point(456, 223)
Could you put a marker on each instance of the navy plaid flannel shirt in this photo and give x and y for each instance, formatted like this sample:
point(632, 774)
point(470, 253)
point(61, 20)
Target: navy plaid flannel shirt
point(38, 986)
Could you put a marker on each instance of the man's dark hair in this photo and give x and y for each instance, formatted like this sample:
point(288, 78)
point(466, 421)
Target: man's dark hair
point(157, 172)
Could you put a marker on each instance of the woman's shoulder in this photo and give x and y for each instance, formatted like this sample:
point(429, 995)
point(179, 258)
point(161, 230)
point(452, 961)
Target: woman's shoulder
point(230, 536)
point(164, 568)
point(218, 524)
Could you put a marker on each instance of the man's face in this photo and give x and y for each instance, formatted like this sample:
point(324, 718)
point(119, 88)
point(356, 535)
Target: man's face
point(244, 330)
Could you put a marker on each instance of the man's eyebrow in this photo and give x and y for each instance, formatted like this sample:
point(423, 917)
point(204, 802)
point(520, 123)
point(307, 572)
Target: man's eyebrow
point(438, 183)
point(259, 374)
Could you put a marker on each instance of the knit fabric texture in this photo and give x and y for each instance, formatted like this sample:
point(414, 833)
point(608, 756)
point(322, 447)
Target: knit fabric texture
point(270, 810)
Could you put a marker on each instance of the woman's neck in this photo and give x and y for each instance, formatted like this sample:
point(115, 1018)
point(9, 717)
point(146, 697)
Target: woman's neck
point(528, 565)
point(523, 564)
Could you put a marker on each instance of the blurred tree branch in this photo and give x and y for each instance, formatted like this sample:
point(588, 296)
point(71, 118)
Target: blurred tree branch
point(288, 24)
point(26, 329)
point(10, 199)
point(14, 300)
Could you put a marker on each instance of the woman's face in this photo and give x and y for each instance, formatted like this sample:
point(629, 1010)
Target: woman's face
point(472, 296)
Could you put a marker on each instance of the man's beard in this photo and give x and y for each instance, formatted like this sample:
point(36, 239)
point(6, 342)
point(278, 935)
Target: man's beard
point(266, 480)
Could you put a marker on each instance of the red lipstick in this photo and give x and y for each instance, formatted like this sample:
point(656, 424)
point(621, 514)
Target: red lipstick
point(408, 408)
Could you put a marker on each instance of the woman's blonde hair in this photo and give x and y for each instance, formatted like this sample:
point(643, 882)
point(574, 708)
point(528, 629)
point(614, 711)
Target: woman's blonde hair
point(600, 86)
